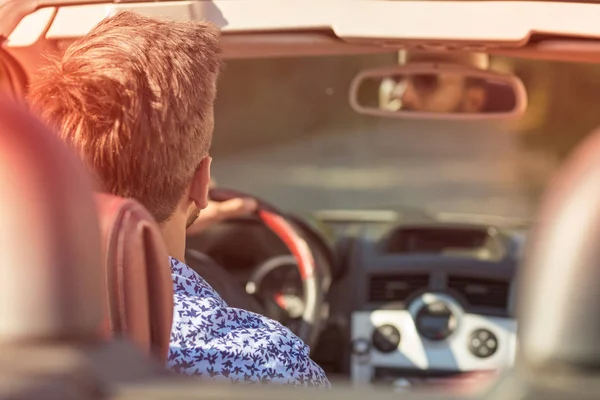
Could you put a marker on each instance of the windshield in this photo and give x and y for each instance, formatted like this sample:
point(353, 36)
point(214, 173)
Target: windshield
point(285, 132)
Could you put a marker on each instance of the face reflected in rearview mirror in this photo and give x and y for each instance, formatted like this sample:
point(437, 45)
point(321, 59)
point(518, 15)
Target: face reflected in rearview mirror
point(442, 91)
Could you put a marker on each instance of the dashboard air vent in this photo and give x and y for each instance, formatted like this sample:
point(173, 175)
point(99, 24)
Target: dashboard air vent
point(393, 287)
point(480, 292)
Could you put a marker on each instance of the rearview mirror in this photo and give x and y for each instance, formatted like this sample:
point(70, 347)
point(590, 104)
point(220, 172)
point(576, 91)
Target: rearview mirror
point(437, 91)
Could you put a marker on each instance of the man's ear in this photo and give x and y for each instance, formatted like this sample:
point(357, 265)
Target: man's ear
point(474, 100)
point(201, 184)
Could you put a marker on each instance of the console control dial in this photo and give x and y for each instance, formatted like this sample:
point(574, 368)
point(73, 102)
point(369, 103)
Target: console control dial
point(483, 343)
point(386, 338)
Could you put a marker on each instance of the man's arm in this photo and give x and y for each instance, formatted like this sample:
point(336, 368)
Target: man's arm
point(216, 212)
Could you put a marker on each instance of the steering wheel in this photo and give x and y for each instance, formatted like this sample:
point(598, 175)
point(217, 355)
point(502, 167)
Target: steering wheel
point(302, 258)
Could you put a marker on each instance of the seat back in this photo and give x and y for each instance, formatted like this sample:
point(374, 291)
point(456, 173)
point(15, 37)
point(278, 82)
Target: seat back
point(50, 271)
point(138, 275)
point(52, 284)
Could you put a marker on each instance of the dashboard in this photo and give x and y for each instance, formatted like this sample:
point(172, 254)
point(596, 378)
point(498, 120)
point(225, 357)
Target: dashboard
point(409, 296)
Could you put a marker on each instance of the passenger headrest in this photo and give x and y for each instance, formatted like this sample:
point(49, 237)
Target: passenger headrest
point(140, 287)
point(50, 271)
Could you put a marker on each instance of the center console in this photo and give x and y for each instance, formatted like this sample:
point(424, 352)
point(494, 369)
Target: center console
point(433, 302)
point(434, 336)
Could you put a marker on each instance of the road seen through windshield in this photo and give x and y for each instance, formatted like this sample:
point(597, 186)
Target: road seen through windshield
point(441, 166)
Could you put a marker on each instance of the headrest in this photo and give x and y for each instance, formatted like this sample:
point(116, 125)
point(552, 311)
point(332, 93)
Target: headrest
point(140, 287)
point(559, 310)
point(50, 272)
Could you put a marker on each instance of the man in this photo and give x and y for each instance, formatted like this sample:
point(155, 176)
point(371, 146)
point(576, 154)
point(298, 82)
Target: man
point(435, 93)
point(135, 99)
point(446, 92)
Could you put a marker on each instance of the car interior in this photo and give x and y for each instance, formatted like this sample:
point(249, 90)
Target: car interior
point(393, 300)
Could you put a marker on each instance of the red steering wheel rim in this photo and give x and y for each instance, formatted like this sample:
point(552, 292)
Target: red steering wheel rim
point(296, 245)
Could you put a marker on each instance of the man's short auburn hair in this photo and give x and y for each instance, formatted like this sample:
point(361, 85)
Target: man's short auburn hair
point(135, 99)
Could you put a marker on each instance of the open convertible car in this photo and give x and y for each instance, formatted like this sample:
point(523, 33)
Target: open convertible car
point(390, 297)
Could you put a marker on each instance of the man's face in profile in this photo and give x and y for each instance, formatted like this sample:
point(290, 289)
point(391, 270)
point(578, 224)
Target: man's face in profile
point(443, 93)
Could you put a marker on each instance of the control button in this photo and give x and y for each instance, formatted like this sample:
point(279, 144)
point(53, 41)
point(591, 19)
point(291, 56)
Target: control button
point(435, 321)
point(483, 343)
point(360, 347)
point(386, 338)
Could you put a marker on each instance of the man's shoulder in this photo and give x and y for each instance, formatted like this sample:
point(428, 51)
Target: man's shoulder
point(187, 284)
point(212, 339)
point(203, 317)
point(197, 303)
point(239, 345)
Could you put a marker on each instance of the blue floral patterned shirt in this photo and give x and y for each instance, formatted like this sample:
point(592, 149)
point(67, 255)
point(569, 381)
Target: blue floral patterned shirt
point(211, 340)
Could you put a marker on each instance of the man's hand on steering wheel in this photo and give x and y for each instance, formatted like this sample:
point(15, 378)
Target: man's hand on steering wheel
point(219, 211)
